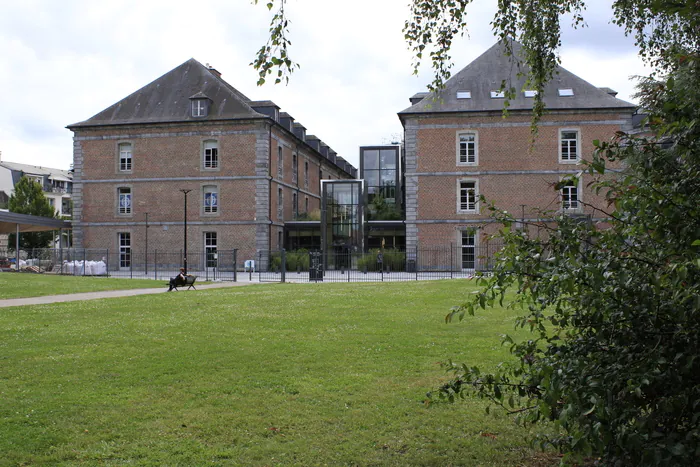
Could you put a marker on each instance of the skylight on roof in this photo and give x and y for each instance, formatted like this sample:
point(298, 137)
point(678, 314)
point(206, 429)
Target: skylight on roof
point(464, 94)
point(530, 93)
point(566, 92)
point(497, 94)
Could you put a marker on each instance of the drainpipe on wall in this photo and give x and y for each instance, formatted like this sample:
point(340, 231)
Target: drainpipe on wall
point(269, 196)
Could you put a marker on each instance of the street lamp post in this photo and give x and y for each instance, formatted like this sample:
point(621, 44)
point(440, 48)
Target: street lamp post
point(146, 267)
point(184, 263)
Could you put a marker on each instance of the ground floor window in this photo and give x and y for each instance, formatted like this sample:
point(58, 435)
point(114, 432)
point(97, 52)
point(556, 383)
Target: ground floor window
point(210, 246)
point(468, 249)
point(124, 249)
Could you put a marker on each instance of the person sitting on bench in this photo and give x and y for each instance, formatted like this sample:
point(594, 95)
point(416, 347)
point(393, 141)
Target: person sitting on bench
point(177, 280)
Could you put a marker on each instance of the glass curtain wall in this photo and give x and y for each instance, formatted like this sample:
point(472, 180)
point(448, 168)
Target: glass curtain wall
point(341, 221)
point(380, 170)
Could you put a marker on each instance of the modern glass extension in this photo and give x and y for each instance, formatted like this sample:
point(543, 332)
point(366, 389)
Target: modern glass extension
point(341, 221)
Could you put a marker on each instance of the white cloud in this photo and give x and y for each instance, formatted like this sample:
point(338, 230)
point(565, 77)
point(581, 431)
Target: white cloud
point(62, 62)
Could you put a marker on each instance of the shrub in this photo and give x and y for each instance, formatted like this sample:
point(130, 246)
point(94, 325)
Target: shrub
point(393, 260)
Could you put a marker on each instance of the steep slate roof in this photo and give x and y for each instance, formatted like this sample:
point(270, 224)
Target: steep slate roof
point(167, 99)
point(486, 73)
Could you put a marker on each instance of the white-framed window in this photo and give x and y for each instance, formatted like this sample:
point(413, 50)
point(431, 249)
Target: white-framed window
point(125, 157)
point(295, 169)
point(124, 240)
point(468, 196)
point(210, 195)
point(467, 148)
point(464, 95)
point(306, 174)
point(199, 108)
point(210, 249)
point(530, 93)
point(280, 162)
point(124, 200)
point(571, 196)
point(569, 145)
point(498, 94)
point(280, 203)
point(210, 154)
point(468, 241)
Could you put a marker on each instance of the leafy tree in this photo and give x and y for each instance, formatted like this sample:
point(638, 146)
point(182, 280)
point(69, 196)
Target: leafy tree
point(615, 313)
point(29, 198)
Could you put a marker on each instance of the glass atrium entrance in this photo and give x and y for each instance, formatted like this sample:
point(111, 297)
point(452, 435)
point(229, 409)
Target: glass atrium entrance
point(342, 221)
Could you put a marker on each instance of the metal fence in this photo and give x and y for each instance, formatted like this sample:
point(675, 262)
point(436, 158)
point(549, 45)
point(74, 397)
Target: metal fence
point(425, 263)
point(219, 265)
point(449, 261)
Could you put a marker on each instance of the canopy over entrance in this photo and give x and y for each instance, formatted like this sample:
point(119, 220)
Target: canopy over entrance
point(11, 222)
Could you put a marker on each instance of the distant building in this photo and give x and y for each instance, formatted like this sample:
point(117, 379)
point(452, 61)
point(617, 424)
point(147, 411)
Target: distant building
point(57, 186)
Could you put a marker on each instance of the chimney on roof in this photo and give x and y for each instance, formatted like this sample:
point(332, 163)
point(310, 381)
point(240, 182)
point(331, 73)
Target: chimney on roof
point(417, 97)
point(214, 70)
point(612, 92)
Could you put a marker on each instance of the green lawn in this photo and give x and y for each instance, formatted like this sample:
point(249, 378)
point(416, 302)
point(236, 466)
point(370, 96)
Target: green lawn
point(283, 374)
point(13, 285)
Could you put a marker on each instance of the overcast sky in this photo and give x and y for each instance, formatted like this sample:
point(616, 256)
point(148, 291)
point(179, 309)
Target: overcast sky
point(62, 62)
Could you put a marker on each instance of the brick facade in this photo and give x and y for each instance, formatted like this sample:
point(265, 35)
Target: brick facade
point(510, 172)
point(165, 157)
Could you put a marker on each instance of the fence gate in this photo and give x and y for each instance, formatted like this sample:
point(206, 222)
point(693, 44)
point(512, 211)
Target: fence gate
point(270, 266)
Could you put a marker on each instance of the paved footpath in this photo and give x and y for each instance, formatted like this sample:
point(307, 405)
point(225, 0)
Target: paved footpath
point(108, 294)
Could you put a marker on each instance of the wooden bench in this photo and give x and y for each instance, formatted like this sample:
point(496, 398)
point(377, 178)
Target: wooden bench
point(189, 282)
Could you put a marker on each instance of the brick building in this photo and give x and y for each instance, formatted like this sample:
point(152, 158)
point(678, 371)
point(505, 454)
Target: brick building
point(249, 169)
point(458, 146)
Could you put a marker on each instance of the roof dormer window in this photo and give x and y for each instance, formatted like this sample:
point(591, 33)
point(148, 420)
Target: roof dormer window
point(464, 95)
point(200, 105)
point(566, 92)
point(530, 93)
point(199, 108)
point(497, 94)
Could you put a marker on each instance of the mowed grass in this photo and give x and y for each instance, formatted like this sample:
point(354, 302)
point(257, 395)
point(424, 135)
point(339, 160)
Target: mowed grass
point(282, 374)
point(14, 285)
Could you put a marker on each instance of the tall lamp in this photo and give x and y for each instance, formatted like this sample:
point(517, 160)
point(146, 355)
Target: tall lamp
point(184, 262)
